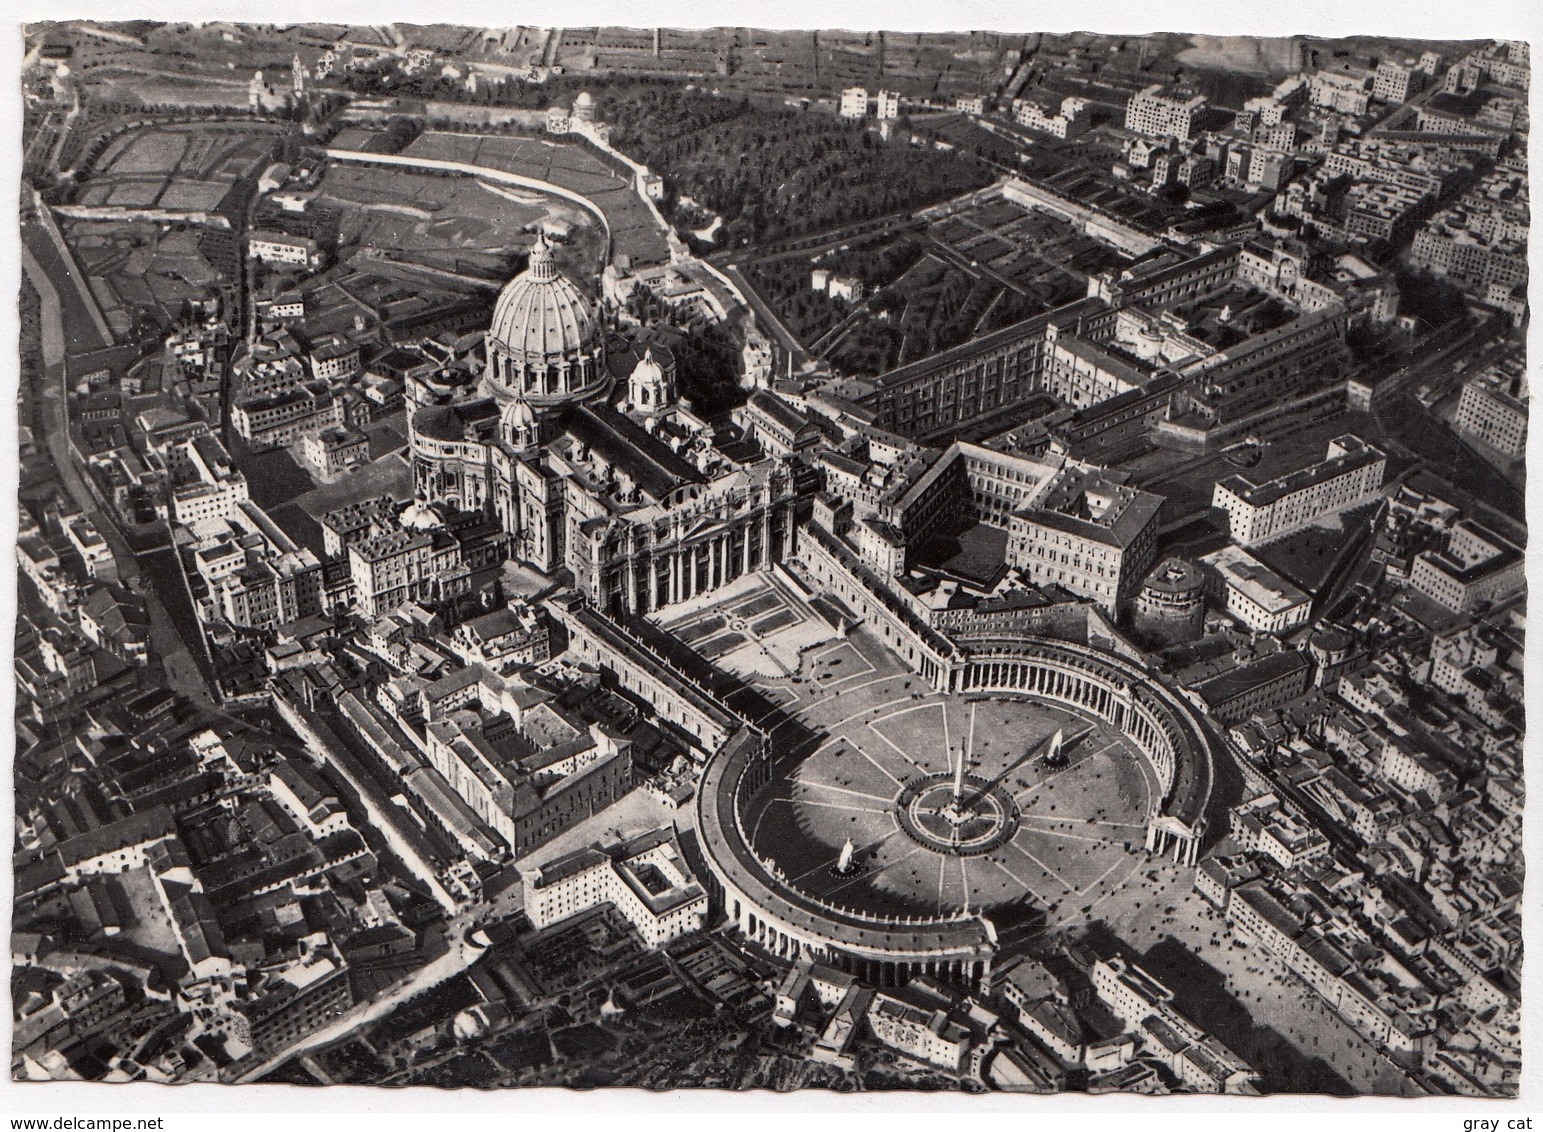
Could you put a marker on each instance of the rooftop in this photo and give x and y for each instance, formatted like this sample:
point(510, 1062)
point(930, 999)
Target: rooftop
point(1084, 501)
point(389, 544)
point(454, 423)
point(1175, 576)
point(1354, 454)
point(1236, 682)
point(1254, 580)
point(624, 445)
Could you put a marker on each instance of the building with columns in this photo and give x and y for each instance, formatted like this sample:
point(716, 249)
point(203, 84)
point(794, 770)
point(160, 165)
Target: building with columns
point(884, 949)
point(641, 508)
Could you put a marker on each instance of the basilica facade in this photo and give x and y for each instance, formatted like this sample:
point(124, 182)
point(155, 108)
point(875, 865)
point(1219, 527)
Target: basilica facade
point(609, 481)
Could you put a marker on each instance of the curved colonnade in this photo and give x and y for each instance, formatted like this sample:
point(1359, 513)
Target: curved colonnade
point(881, 950)
point(888, 950)
point(1175, 744)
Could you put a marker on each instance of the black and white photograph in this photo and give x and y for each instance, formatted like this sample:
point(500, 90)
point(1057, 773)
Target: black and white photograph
point(760, 560)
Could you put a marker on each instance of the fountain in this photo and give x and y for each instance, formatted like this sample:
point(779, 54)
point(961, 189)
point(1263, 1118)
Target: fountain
point(1055, 756)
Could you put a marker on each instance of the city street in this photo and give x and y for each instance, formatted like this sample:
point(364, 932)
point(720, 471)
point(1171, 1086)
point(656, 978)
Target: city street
point(172, 640)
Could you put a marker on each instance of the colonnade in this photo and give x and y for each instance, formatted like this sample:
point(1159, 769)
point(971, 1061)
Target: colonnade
point(1051, 680)
point(777, 941)
point(1183, 847)
point(752, 891)
point(896, 973)
point(652, 579)
point(1123, 705)
point(570, 377)
point(832, 565)
point(780, 943)
point(1041, 679)
point(699, 567)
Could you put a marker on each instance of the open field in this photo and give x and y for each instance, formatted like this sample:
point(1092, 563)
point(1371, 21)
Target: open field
point(140, 269)
point(146, 268)
point(570, 165)
point(453, 224)
point(206, 151)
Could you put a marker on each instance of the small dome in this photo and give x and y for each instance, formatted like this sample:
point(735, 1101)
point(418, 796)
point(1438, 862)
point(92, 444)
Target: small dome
point(517, 425)
point(541, 314)
point(419, 516)
point(648, 370)
point(584, 99)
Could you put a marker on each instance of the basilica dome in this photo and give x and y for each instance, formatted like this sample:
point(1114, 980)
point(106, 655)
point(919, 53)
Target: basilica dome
point(541, 312)
point(544, 344)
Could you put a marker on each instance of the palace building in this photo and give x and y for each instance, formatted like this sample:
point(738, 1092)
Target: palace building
point(639, 506)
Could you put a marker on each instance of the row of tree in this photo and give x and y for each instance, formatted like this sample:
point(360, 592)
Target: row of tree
point(771, 171)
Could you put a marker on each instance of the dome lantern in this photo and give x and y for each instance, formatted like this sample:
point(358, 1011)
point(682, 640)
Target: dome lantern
point(542, 267)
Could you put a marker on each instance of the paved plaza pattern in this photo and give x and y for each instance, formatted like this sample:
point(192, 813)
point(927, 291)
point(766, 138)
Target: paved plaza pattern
point(757, 626)
point(870, 737)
